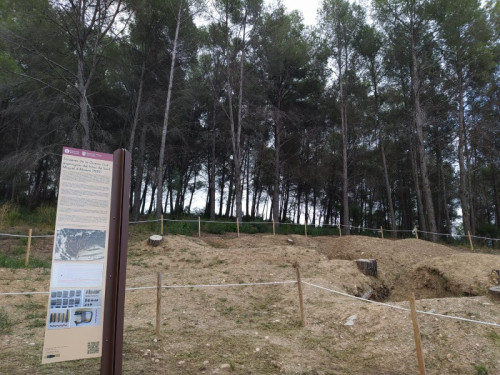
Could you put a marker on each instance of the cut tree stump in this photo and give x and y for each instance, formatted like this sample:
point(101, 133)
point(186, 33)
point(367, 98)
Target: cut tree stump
point(367, 266)
point(494, 291)
point(155, 240)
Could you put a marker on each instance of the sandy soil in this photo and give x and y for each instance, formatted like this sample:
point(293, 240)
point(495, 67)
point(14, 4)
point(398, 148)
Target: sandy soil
point(256, 329)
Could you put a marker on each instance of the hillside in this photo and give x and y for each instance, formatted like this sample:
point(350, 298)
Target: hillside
point(255, 329)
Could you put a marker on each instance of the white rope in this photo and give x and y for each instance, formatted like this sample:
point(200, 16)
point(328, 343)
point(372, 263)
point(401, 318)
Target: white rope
point(144, 221)
point(26, 236)
point(485, 238)
point(172, 287)
point(291, 282)
point(268, 223)
point(257, 222)
point(226, 285)
point(439, 234)
point(219, 222)
point(398, 230)
point(403, 308)
point(141, 288)
point(21, 293)
point(178, 220)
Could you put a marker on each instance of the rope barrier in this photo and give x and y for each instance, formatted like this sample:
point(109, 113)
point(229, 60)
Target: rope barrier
point(173, 287)
point(492, 324)
point(228, 285)
point(184, 221)
point(144, 221)
point(26, 236)
point(484, 238)
point(21, 293)
point(403, 308)
point(461, 236)
point(218, 222)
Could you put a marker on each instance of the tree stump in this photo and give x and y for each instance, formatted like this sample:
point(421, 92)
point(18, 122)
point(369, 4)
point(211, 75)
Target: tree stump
point(494, 292)
point(155, 240)
point(367, 266)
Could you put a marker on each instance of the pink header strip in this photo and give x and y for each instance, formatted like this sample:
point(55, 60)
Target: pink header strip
point(87, 154)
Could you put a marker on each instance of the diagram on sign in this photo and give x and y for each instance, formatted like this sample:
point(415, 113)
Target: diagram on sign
point(74, 308)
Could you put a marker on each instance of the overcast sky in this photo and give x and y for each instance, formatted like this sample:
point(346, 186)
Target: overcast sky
point(308, 8)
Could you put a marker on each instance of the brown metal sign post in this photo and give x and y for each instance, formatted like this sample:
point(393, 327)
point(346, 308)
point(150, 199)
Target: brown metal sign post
point(112, 337)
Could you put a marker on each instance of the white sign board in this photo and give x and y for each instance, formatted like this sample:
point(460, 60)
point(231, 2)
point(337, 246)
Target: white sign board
point(76, 299)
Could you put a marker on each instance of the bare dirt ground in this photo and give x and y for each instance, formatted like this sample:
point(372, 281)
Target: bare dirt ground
point(256, 329)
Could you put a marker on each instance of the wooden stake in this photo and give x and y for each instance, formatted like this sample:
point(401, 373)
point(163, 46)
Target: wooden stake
point(161, 225)
point(416, 334)
point(28, 248)
point(238, 227)
point(158, 303)
point(301, 300)
point(416, 232)
point(340, 230)
point(305, 228)
point(382, 231)
point(199, 227)
point(470, 241)
point(274, 228)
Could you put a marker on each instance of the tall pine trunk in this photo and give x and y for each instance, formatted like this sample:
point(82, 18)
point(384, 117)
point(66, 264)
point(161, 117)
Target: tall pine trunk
point(276, 177)
point(345, 177)
point(212, 167)
point(236, 125)
point(159, 197)
point(419, 125)
point(463, 190)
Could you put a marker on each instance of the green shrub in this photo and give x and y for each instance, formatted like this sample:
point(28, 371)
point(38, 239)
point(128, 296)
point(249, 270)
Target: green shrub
point(288, 229)
point(218, 227)
point(248, 228)
point(46, 215)
point(180, 227)
point(4, 211)
point(14, 216)
point(481, 370)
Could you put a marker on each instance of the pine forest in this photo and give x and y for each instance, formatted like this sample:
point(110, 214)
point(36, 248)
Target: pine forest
point(385, 114)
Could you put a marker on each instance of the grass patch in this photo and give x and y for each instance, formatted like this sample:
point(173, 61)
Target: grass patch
point(17, 261)
point(481, 370)
point(5, 322)
point(495, 337)
point(37, 323)
point(215, 262)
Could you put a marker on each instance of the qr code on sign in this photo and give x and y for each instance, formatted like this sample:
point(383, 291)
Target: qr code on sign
point(93, 347)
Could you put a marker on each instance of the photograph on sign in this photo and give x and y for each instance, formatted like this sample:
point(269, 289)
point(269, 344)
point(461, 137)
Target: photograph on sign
point(80, 244)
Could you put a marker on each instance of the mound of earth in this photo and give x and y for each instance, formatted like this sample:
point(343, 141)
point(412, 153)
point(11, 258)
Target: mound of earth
point(430, 270)
point(211, 328)
point(458, 275)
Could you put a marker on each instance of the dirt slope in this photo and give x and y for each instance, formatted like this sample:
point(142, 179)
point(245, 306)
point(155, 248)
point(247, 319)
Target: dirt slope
point(256, 330)
point(428, 269)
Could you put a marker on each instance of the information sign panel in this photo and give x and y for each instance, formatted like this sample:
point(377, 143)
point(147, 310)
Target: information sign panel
point(74, 323)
